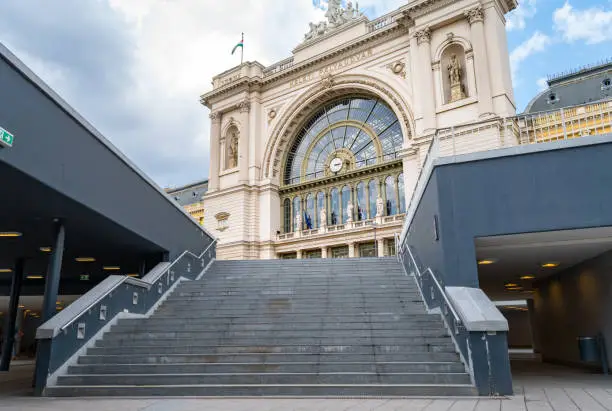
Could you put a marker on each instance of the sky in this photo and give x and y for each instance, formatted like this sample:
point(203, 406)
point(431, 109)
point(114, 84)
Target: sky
point(136, 68)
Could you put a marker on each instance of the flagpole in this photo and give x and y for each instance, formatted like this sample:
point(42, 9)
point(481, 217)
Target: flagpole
point(242, 51)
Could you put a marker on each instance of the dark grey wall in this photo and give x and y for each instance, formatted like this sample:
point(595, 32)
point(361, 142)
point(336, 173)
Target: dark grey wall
point(539, 191)
point(60, 152)
point(576, 302)
point(519, 335)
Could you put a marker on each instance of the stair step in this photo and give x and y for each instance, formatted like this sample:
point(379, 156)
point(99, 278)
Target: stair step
point(269, 378)
point(279, 358)
point(447, 347)
point(269, 367)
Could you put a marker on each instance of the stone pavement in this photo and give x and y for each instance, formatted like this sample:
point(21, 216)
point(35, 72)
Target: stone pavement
point(539, 388)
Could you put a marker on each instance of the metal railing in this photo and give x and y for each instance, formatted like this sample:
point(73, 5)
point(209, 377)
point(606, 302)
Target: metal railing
point(435, 297)
point(73, 327)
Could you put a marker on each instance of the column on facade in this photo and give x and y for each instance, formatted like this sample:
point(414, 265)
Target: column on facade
point(243, 145)
point(382, 187)
point(351, 249)
point(215, 155)
point(475, 17)
point(324, 252)
point(299, 254)
point(422, 41)
point(397, 193)
point(381, 247)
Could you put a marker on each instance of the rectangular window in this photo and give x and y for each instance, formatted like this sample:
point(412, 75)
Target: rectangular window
point(340, 252)
point(367, 249)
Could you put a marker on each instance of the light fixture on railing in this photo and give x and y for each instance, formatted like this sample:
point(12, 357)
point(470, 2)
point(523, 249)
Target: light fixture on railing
point(133, 275)
point(528, 277)
point(85, 259)
point(5, 270)
point(551, 265)
point(111, 268)
point(46, 249)
point(35, 277)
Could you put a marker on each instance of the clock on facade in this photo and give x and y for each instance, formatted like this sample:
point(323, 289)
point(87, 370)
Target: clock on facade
point(336, 165)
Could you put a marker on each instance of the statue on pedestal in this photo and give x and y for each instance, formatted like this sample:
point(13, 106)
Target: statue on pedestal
point(455, 73)
point(349, 212)
point(323, 218)
point(232, 152)
point(298, 222)
point(380, 207)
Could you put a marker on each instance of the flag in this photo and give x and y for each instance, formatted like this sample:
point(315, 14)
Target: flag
point(241, 44)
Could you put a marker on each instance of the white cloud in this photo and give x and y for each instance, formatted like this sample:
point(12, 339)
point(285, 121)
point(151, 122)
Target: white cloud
point(136, 68)
point(535, 44)
point(592, 25)
point(542, 84)
point(516, 20)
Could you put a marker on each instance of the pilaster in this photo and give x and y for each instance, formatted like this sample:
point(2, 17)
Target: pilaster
point(425, 78)
point(215, 130)
point(476, 17)
point(243, 146)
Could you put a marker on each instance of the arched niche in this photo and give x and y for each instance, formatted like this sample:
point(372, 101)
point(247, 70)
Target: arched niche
point(232, 141)
point(454, 73)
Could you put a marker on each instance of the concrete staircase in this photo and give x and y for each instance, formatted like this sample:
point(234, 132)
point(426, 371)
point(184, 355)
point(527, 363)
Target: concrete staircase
point(279, 328)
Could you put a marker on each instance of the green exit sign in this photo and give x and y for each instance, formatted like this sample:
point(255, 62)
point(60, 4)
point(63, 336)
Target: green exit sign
point(6, 138)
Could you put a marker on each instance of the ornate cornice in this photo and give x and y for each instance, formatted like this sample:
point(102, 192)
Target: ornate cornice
point(423, 36)
point(474, 15)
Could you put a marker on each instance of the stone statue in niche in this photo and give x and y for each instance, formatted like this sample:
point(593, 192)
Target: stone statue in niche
point(349, 212)
point(323, 217)
point(380, 207)
point(232, 151)
point(298, 221)
point(455, 75)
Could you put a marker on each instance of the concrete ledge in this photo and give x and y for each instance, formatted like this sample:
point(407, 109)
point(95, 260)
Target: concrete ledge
point(476, 311)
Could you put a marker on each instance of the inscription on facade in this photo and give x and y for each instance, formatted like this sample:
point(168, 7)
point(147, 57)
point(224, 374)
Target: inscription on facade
point(225, 81)
point(332, 68)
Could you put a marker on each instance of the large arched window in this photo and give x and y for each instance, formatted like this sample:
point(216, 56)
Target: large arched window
point(344, 135)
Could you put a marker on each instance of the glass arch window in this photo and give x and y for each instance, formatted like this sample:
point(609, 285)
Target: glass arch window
point(359, 131)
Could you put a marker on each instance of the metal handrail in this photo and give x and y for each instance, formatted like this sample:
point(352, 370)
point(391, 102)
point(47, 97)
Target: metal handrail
point(136, 282)
point(431, 273)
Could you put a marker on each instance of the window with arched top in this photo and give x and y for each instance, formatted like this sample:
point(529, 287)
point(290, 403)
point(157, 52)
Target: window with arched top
point(321, 206)
point(373, 195)
point(297, 214)
point(391, 205)
point(346, 197)
point(361, 208)
point(402, 195)
point(344, 135)
point(287, 215)
point(334, 217)
point(309, 214)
